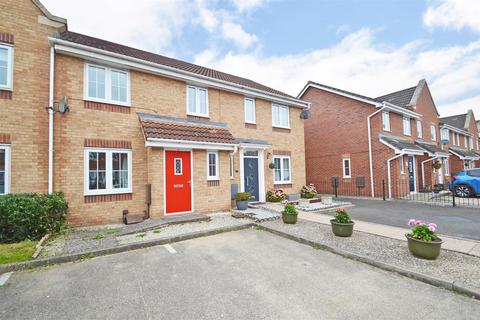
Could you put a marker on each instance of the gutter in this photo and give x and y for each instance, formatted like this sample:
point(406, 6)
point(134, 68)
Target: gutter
point(389, 172)
point(370, 156)
point(50, 121)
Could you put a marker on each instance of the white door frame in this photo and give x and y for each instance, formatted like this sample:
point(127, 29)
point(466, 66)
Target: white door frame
point(415, 189)
point(165, 182)
point(261, 171)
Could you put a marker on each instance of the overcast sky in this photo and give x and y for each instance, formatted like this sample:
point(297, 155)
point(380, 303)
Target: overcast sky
point(369, 47)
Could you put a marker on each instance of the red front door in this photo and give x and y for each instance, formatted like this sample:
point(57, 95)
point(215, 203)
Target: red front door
point(178, 177)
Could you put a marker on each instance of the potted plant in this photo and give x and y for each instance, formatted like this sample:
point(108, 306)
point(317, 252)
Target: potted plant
point(289, 213)
point(437, 188)
point(276, 196)
point(271, 165)
point(423, 242)
point(242, 199)
point(342, 225)
point(308, 192)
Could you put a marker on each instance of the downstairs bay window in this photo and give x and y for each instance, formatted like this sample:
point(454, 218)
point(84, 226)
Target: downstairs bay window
point(107, 171)
point(282, 171)
point(4, 169)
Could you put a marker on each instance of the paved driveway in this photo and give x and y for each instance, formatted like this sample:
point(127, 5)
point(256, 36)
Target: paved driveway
point(456, 222)
point(247, 274)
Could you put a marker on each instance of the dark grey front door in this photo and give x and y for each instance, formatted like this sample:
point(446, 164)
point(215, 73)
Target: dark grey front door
point(411, 173)
point(250, 177)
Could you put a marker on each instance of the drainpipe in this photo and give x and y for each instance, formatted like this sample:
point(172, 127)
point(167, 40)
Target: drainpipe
point(370, 157)
point(50, 122)
point(389, 173)
point(423, 169)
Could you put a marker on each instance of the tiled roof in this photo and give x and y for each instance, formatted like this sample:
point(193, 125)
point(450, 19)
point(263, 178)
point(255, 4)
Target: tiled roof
point(457, 121)
point(183, 129)
point(401, 144)
point(463, 153)
point(166, 61)
point(343, 91)
point(400, 98)
point(431, 148)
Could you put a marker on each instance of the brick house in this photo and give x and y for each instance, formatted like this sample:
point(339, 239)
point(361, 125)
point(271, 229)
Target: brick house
point(116, 128)
point(358, 141)
point(461, 131)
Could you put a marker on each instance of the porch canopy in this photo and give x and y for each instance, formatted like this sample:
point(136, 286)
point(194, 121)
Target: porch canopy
point(464, 154)
point(167, 132)
point(432, 149)
point(402, 146)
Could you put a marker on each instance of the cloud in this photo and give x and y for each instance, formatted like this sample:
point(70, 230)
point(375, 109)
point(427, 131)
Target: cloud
point(455, 14)
point(361, 64)
point(240, 37)
point(247, 5)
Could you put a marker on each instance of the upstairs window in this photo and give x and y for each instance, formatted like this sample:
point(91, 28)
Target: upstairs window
point(282, 173)
point(466, 141)
point(346, 168)
point(419, 129)
point(445, 134)
point(4, 169)
point(197, 101)
point(6, 68)
point(212, 165)
point(103, 84)
point(407, 129)
point(249, 110)
point(386, 120)
point(433, 132)
point(280, 116)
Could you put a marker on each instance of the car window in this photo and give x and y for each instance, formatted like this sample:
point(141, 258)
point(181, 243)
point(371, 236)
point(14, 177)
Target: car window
point(474, 173)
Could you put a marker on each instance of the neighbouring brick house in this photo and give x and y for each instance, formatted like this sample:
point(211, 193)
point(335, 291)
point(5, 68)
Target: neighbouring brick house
point(461, 131)
point(358, 141)
point(132, 130)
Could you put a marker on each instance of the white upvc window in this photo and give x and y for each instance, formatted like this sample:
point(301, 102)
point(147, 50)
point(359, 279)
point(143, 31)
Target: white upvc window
point(433, 132)
point(458, 139)
point(465, 138)
point(232, 166)
point(250, 110)
point(280, 116)
point(6, 67)
point(407, 129)
point(346, 168)
point(107, 85)
point(470, 140)
point(212, 165)
point(446, 134)
point(282, 170)
point(197, 101)
point(419, 129)
point(386, 120)
point(4, 169)
point(446, 165)
point(107, 171)
point(402, 165)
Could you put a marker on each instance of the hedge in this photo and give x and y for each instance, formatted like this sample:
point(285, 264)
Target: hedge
point(30, 216)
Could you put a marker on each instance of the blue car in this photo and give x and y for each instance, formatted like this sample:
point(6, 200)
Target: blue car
point(466, 183)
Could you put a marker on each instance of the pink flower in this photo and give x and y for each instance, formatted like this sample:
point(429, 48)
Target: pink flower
point(418, 222)
point(433, 225)
point(411, 222)
point(431, 228)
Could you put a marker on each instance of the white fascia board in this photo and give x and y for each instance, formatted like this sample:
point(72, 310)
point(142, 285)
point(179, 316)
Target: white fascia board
point(462, 157)
point(455, 129)
point(254, 146)
point(394, 108)
point(180, 144)
point(340, 93)
point(102, 56)
point(404, 151)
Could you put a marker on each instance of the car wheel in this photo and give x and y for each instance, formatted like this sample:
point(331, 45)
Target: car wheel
point(463, 191)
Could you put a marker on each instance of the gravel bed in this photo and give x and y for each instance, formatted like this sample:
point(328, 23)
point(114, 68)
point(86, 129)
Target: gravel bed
point(218, 220)
point(450, 266)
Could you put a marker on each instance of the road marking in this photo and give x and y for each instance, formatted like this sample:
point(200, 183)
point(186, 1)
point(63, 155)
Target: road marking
point(4, 278)
point(170, 248)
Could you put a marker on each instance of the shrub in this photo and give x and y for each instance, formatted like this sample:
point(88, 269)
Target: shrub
point(243, 196)
point(308, 192)
point(342, 216)
point(30, 216)
point(276, 196)
point(289, 209)
point(422, 230)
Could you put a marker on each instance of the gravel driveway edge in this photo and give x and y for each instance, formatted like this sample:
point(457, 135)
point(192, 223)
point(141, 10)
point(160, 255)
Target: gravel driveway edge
point(450, 285)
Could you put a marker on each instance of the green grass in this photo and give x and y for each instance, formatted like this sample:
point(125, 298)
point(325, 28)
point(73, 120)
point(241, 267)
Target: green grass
point(156, 231)
point(113, 231)
point(17, 252)
point(98, 236)
point(141, 235)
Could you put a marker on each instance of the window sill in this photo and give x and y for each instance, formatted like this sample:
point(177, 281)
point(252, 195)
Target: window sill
point(107, 192)
point(282, 182)
point(108, 197)
point(6, 94)
point(280, 127)
point(115, 103)
point(199, 115)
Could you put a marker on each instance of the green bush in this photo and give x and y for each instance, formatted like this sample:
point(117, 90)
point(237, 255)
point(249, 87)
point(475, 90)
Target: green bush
point(30, 216)
point(243, 196)
point(289, 209)
point(342, 216)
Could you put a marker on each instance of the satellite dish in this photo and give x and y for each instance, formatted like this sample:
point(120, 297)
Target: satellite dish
point(63, 105)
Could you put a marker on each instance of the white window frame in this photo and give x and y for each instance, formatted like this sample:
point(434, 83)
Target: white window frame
point(386, 120)
point(280, 106)
point(446, 165)
point(254, 110)
point(345, 176)
point(458, 139)
point(7, 168)
point(445, 134)
point(465, 138)
point(108, 85)
point(197, 112)
point(175, 166)
point(232, 166)
point(409, 126)
point(108, 172)
point(433, 132)
point(282, 180)
point(402, 165)
point(419, 129)
point(9, 85)
point(217, 173)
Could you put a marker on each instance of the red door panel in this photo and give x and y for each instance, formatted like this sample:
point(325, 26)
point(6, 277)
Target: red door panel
point(178, 178)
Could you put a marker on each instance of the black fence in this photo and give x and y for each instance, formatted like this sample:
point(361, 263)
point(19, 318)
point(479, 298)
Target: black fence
point(400, 190)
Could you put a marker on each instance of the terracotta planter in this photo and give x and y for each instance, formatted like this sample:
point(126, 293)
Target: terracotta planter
point(424, 249)
point(342, 229)
point(242, 205)
point(289, 218)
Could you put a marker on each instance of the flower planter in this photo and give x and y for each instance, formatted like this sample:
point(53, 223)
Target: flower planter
point(342, 229)
point(327, 200)
point(242, 205)
point(424, 249)
point(289, 218)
